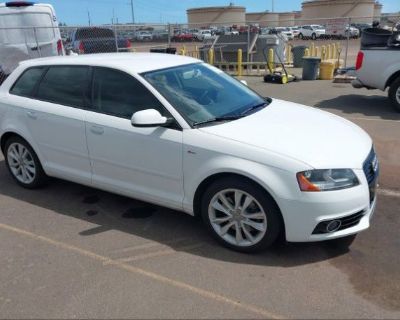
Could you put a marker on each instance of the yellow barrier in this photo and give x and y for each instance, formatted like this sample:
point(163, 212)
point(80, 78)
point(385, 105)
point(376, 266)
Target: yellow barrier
point(326, 70)
point(307, 52)
point(270, 62)
point(316, 52)
point(211, 56)
point(323, 53)
point(312, 49)
point(240, 63)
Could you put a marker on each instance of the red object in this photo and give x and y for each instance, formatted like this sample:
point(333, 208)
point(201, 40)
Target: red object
point(360, 59)
point(81, 48)
point(128, 43)
point(60, 48)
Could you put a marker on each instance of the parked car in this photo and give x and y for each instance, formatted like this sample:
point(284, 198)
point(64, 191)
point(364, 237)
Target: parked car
point(177, 132)
point(295, 31)
point(144, 36)
point(21, 43)
point(285, 31)
point(124, 45)
point(379, 68)
point(361, 26)
point(203, 35)
point(93, 40)
point(183, 37)
point(312, 31)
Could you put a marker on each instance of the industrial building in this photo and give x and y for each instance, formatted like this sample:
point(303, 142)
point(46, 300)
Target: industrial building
point(363, 11)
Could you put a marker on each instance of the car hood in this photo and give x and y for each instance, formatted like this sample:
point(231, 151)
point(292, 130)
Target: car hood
point(317, 138)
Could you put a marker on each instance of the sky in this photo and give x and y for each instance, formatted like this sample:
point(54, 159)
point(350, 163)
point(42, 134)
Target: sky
point(75, 12)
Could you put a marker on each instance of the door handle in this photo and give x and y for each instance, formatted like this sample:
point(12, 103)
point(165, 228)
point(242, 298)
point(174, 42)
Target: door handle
point(32, 115)
point(97, 130)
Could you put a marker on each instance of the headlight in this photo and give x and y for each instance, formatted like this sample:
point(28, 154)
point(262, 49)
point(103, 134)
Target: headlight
point(326, 180)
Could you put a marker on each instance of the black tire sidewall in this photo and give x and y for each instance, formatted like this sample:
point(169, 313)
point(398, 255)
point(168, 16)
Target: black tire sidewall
point(40, 176)
point(274, 222)
point(392, 94)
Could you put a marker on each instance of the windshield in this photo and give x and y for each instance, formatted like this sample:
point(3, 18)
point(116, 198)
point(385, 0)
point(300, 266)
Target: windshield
point(200, 92)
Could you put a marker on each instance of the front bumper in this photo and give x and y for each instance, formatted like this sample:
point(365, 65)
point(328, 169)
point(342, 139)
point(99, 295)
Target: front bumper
point(302, 216)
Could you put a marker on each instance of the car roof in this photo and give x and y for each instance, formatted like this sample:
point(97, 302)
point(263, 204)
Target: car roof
point(130, 62)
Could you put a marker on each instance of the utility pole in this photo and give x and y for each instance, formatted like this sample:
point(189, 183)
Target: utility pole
point(273, 5)
point(88, 14)
point(133, 12)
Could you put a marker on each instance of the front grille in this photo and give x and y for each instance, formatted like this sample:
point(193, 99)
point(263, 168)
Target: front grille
point(346, 222)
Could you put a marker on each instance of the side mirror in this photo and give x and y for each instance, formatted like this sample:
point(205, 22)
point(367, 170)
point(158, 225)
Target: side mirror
point(148, 118)
point(244, 82)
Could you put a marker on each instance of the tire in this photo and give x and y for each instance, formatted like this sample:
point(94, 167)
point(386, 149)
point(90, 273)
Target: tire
point(343, 243)
point(394, 94)
point(301, 37)
point(30, 175)
point(313, 36)
point(259, 223)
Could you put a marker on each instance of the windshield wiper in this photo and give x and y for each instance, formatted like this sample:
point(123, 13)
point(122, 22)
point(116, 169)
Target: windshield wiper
point(218, 119)
point(255, 107)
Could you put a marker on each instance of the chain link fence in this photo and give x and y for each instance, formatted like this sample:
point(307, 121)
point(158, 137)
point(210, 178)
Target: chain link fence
point(230, 46)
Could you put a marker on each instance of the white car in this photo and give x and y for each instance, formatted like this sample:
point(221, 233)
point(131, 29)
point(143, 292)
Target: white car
point(204, 35)
point(286, 31)
point(177, 132)
point(144, 36)
point(17, 42)
point(312, 31)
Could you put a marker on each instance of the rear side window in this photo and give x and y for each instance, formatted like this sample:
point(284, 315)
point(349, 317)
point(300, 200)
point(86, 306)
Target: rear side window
point(64, 85)
point(119, 94)
point(27, 82)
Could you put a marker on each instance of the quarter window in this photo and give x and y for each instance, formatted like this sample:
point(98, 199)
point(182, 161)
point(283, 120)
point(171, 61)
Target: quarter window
point(27, 82)
point(119, 94)
point(64, 85)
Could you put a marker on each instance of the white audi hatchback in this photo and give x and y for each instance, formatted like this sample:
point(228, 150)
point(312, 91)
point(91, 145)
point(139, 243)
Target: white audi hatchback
point(177, 132)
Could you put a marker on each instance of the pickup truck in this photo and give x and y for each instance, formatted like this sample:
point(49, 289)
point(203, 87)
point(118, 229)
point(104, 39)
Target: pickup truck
point(379, 68)
point(93, 40)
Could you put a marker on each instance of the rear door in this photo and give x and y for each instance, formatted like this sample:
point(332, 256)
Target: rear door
point(55, 118)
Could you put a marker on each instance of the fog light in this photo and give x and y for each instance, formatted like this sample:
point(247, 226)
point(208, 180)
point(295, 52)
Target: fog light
point(333, 226)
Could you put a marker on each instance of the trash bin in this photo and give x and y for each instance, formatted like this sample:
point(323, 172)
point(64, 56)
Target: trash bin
point(298, 54)
point(163, 50)
point(326, 70)
point(310, 68)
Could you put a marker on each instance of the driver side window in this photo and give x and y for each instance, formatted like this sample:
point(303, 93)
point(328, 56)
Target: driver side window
point(119, 94)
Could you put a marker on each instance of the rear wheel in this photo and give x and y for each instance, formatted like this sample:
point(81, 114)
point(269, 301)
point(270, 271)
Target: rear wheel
point(301, 36)
point(241, 215)
point(313, 36)
point(394, 94)
point(23, 163)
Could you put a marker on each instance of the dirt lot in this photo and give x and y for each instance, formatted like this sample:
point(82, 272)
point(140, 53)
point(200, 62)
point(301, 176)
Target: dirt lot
point(70, 251)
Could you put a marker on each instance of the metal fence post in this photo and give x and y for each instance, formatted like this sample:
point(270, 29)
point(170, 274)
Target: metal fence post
point(347, 43)
point(116, 37)
point(248, 43)
point(37, 42)
point(169, 35)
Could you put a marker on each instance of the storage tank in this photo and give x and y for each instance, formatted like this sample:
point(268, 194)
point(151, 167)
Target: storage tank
point(377, 11)
point(223, 16)
point(286, 19)
point(363, 10)
point(263, 19)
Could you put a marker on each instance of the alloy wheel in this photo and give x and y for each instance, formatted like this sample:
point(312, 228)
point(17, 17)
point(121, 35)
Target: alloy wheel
point(237, 217)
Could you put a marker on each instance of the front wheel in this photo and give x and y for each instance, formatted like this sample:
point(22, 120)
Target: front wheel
point(241, 215)
point(301, 37)
point(394, 94)
point(313, 36)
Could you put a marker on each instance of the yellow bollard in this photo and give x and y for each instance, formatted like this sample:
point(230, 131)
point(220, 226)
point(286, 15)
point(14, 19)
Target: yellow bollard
point(316, 51)
point(270, 62)
point(211, 56)
point(307, 52)
point(334, 51)
point(323, 53)
point(312, 49)
point(240, 62)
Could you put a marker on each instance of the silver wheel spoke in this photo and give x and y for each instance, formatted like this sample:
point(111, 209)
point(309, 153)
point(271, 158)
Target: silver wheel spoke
point(238, 198)
point(247, 202)
point(21, 163)
point(225, 201)
point(255, 225)
point(247, 233)
point(239, 237)
point(217, 206)
point(256, 215)
point(226, 228)
point(221, 220)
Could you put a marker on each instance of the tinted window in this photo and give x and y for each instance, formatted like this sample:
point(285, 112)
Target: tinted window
point(27, 82)
point(64, 85)
point(91, 33)
point(120, 94)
